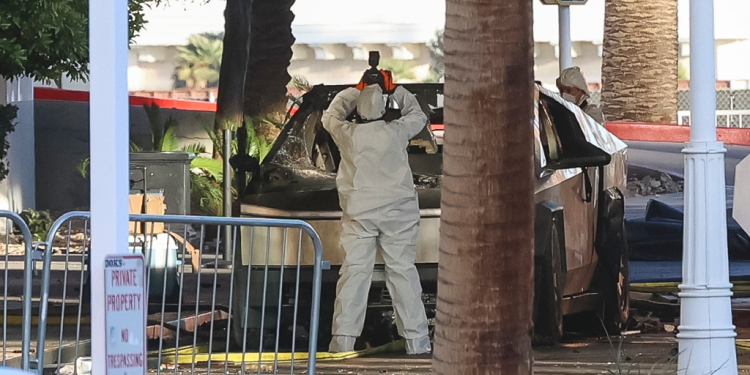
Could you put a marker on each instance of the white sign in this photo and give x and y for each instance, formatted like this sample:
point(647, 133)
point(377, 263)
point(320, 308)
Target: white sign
point(126, 305)
point(564, 2)
point(741, 203)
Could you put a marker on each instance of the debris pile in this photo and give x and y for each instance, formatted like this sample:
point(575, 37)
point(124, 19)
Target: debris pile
point(423, 181)
point(650, 185)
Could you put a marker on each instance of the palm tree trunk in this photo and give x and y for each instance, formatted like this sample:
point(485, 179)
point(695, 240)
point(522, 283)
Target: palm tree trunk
point(485, 288)
point(639, 62)
point(237, 34)
point(269, 58)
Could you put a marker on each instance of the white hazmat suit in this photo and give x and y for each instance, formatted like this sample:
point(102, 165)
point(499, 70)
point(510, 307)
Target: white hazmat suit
point(380, 207)
point(572, 77)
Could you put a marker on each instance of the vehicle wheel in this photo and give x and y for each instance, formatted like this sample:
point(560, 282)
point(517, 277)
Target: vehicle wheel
point(616, 306)
point(612, 278)
point(550, 274)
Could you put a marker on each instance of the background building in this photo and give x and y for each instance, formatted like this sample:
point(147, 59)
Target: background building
point(334, 37)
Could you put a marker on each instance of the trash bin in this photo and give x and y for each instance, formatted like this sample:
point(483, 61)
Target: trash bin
point(166, 171)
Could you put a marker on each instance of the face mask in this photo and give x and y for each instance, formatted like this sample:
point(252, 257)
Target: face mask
point(570, 98)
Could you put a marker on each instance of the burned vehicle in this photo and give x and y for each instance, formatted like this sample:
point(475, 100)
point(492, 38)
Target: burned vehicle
point(581, 262)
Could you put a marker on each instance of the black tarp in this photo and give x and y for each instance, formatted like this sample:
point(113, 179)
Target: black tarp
point(658, 235)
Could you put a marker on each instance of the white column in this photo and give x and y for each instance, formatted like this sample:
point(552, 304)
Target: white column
point(565, 46)
point(18, 190)
point(109, 129)
point(706, 334)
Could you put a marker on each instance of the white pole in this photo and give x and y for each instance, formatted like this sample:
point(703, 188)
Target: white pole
point(707, 337)
point(566, 45)
point(109, 130)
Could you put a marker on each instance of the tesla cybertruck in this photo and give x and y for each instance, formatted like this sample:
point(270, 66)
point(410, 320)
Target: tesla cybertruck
point(581, 259)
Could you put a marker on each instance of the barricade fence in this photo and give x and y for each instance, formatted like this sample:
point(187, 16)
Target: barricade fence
point(17, 270)
point(256, 312)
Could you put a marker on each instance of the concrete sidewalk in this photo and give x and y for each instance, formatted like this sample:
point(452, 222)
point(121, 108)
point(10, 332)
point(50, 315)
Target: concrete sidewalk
point(635, 354)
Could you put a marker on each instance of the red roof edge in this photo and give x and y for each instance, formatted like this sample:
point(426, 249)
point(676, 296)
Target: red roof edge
point(46, 93)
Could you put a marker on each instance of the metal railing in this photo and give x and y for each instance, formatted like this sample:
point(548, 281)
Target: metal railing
point(724, 118)
point(14, 220)
point(245, 315)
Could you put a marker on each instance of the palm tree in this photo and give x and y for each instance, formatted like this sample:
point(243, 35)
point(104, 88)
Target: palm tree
point(639, 63)
point(269, 57)
point(200, 61)
point(485, 289)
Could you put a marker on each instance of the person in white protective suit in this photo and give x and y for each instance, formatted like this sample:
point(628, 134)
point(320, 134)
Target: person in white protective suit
point(380, 207)
point(573, 87)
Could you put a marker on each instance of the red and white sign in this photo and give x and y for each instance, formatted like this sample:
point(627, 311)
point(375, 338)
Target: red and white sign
point(126, 306)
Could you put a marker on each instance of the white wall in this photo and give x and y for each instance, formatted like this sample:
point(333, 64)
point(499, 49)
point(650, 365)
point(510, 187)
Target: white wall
point(17, 191)
point(733, 62)
point(151, 68)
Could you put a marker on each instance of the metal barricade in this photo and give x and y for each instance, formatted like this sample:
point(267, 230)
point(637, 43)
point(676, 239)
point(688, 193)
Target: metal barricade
point(203, 311)
point(11, 297)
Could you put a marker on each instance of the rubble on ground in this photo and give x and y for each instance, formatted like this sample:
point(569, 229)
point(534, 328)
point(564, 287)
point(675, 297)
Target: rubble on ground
point(426, 181)
point(650, 185)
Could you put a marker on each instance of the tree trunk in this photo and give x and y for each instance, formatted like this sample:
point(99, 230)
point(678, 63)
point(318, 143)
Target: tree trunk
point(237, 34)
point(485, 289)
point(270, 56)
point(639, 63)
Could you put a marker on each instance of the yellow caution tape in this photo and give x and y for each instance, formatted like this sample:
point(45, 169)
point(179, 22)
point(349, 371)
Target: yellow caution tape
point(186, 355)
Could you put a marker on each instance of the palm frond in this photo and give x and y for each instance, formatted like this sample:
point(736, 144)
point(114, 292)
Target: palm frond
point(216, 140)
point(206, 194)
point(195, 148)
point(300, 83)
point(199, 63)
point(212, 167)
point(169, 139)
point(83, 167)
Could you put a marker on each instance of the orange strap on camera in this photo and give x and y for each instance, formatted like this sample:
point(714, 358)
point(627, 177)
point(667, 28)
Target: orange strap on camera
point(387, 79)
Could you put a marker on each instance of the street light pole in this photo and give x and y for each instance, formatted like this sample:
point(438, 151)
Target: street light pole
point(109, 139)
point(706, 334)
point(566, 45)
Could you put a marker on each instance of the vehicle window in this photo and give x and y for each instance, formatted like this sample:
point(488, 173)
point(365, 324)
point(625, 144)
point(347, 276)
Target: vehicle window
point(296, 150)
point(548, 133)
point(563, 141)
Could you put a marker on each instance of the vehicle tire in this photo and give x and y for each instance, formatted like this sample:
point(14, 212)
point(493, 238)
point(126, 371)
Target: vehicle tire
point(550, 274)
point(612, 278)
point(616, 304)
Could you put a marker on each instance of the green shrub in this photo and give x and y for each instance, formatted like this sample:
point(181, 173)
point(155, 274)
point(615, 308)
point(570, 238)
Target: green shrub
point(39, 223)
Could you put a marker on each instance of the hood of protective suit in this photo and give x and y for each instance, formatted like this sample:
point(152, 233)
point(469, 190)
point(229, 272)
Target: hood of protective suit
point(370, 103)
point(572, 77)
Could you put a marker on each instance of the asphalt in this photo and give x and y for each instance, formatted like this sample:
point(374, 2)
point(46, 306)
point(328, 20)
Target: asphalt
point(668, 157)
